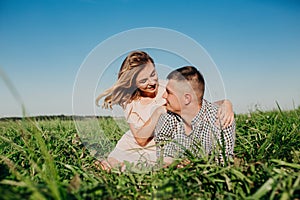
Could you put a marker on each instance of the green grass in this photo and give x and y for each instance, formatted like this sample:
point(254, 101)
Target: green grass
point(46, 159)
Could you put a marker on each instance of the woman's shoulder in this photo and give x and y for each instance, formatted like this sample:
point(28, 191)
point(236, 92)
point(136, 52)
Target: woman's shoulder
point(128, 109)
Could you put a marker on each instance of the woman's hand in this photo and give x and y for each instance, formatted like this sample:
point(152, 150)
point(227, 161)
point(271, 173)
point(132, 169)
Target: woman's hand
point(225, 114)
point(160, 110)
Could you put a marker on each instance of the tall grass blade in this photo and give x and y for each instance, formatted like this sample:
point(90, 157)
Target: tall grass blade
point(264, 189)
point(13, 90)
point(278, 107)
point(283, 163)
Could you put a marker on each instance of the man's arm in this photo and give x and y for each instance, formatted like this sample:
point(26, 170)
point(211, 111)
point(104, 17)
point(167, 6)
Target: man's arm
point(163, 137)
point(226, 140)
point(161, 133)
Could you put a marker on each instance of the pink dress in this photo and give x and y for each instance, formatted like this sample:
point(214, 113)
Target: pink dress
point(127, 149)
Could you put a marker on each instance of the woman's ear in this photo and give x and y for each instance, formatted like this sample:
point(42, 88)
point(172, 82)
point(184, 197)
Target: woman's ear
point(187, 98)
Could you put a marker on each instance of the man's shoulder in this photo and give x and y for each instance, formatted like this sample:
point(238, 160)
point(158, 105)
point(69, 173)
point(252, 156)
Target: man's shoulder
point(168, 120)
point(211, 115)
point(169, 116)
point(165, 125)
point(210, 108)
point(208, 113)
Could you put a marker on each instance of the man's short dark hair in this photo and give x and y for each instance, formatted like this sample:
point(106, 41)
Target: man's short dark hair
point(192, 75)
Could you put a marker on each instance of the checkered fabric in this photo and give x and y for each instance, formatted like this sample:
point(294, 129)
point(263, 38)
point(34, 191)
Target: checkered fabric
point(204, 138)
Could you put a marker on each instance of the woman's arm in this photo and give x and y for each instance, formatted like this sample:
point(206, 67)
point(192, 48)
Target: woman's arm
point(225, 113)
point(144, 134)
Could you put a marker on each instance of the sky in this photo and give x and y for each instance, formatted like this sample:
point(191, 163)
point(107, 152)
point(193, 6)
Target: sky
point(45, 45)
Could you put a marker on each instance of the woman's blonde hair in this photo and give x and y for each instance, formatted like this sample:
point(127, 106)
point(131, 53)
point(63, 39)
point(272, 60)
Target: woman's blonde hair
point(125, 90)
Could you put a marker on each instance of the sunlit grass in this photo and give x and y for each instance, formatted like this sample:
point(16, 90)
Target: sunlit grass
point(46, 159)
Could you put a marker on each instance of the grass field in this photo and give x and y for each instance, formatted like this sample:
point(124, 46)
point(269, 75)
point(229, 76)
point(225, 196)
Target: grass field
point(46, 159)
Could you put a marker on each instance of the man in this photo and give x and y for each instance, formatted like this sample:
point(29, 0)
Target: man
point(191, 125)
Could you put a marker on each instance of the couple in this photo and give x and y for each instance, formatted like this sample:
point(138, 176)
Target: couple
point(165, 119)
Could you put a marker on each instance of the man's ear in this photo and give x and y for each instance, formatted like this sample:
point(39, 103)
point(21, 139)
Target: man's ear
point(187, 98)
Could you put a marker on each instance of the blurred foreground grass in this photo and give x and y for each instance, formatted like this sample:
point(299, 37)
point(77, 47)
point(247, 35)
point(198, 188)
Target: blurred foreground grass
point(46, 159)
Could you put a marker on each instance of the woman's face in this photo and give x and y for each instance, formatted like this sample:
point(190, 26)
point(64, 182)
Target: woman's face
point(147, 81)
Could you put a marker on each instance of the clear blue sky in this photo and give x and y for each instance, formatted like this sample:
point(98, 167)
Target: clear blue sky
point(255, 45)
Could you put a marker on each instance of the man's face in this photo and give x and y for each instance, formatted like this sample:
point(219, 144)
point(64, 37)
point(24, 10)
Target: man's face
point(173, 96)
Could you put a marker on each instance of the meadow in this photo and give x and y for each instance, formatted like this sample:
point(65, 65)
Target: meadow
point(46, 159)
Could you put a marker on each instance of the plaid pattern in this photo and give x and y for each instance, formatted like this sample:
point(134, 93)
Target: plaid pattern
point(204, 138)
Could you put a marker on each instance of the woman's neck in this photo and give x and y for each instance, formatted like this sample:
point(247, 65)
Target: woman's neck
point(148, 95)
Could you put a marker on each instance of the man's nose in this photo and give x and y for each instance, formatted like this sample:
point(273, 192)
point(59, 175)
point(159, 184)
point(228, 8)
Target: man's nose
point(164, 95)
